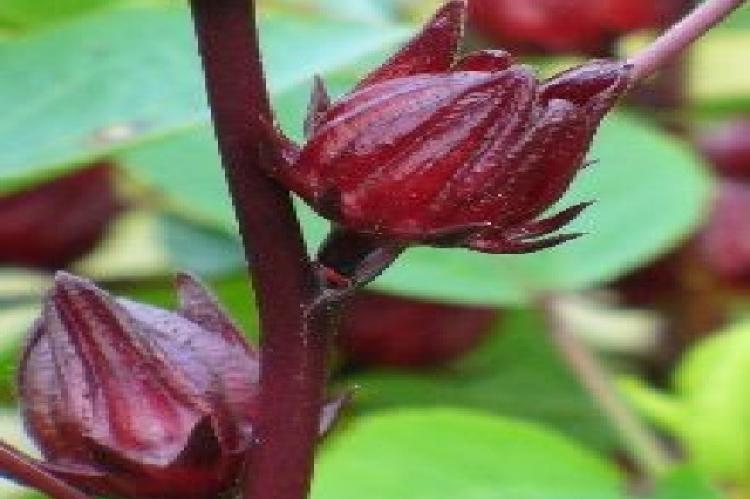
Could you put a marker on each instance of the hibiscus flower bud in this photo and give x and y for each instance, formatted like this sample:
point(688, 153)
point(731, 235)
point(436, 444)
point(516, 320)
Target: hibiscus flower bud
point(725, 241)
point(434, 150)
point(390, 331)
point(727, 148)
point(578, 26)
point(132, 401)
point(54, 224)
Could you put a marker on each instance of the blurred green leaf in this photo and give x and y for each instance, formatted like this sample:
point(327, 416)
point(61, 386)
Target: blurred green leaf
point(133, 249)
point(685, 483)
point(101, 83)
point(374, 11)
point(147, 244)
point(15, 323)
point(448, 454)
point(710, 406)
point(739, 20)
point(517, 373)
point(23, 14)
point(111, 93)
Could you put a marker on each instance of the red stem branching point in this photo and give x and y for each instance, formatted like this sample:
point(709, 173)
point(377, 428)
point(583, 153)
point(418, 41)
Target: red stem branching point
point(294, 344)
point(25, 470)
point(680, 36)
point(295, 331)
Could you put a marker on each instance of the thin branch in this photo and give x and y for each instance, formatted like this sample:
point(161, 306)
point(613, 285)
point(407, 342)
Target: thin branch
point(644, 445)
point(294, 346)
point(25, 470)
point(668, 46)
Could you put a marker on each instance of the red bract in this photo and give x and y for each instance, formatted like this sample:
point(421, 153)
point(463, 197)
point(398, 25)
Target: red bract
point(52, 225)
point(725, 242)
point(137, 402)
point(430, 150)
point(382, 330)
point(564, 25)
point(727, 147)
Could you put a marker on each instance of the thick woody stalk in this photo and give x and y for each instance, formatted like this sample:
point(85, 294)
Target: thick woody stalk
point(293, 371)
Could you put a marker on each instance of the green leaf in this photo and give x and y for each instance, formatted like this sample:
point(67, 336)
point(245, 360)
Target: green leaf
point(685, 483)
point(15, 322)
point(449, 454)
point(709, 407)
point(104, 82)
point(739, 20)
point(517, 373)
point(144, 244)
point(23, 14)
point(113, 94)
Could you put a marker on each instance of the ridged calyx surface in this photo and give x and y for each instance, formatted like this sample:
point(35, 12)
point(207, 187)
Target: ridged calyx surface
point(132, 401)
point(433, 150)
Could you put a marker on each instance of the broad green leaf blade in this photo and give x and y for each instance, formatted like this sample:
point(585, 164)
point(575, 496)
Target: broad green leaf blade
point(24, 14)
point(144, 244)
point(685, 483)
point(450, 454)
point(708, 410)
point(516, 373)
point(101, 83)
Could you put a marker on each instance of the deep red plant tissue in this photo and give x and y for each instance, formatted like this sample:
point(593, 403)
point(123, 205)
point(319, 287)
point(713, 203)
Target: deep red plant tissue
point(390, 331)
point(469, 152)
point(579, 26)
point(54, 224)
point(133, 401)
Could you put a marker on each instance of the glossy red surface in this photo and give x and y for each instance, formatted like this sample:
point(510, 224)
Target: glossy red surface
point(136, 402)
point(389, 331)
point(428, 150)
point(54, 224)
point(578, 26)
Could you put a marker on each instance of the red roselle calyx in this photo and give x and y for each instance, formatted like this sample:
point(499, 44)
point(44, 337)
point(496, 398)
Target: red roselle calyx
point(725, 241)
point(54, 224)
point(136, 402)
point(430, 150)
point(390, 331)
point(578, 26)
point(727, 148)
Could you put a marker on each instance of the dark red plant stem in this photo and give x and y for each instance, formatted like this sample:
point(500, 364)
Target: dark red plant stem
point(24, 470)
point(294, 347)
